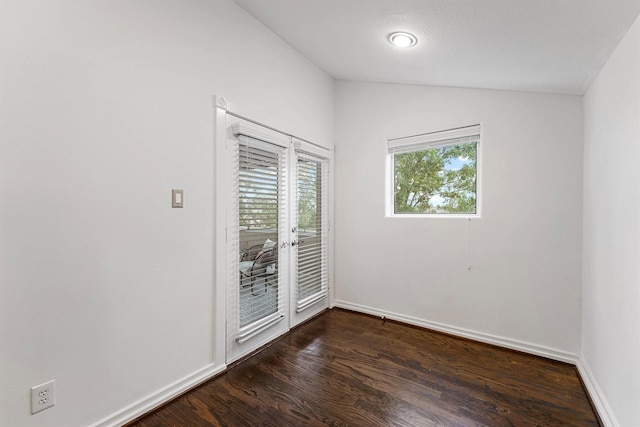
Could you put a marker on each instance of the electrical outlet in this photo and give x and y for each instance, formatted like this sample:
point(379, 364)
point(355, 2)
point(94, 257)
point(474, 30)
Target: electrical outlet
point(43, 396)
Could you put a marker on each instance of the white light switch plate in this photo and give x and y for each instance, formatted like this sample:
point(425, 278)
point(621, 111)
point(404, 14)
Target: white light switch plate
point(177, 198)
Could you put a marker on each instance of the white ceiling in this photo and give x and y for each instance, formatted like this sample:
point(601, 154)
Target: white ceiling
point(555, 46)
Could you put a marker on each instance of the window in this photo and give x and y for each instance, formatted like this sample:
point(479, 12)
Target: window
point(435, 173)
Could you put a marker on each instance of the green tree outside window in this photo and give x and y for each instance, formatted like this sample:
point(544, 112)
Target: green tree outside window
point(436, 180)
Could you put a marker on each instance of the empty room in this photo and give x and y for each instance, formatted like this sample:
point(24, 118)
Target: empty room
point(309, 213)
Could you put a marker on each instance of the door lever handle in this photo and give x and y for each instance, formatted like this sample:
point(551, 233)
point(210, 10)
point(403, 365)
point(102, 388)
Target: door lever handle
point(294, 242)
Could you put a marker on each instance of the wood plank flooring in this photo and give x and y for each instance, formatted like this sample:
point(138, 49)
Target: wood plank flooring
point(349, 369)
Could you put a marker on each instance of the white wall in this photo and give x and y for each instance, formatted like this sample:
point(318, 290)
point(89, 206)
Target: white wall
point(525, 251)
point(104, 107)
point(611, 249)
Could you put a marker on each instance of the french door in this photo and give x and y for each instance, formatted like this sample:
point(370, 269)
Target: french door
point(310, 232)
point(277, 235)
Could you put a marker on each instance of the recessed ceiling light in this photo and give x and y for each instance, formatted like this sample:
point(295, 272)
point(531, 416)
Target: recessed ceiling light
point(401, 39)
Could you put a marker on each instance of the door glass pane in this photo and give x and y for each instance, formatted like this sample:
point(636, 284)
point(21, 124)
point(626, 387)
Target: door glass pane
point(310, 238)
point(258, 208)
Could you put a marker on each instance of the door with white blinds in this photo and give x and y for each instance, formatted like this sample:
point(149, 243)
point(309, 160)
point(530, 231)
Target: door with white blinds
point(258, 222)
point(310, 242)
point(276, 257)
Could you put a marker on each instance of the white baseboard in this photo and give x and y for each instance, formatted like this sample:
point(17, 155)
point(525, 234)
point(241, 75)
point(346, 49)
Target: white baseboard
point(525, 347)
point(167, 393)
point(597, 397)
point(159, 397)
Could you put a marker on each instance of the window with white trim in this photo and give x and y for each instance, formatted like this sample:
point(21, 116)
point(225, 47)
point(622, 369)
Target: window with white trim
point(434, 174)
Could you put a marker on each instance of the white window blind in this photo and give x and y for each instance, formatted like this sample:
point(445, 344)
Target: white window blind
point(434, 139)
point(311, 214)
point(259, 214)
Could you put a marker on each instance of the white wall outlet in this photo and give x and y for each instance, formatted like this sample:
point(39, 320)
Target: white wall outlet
point(43, 396)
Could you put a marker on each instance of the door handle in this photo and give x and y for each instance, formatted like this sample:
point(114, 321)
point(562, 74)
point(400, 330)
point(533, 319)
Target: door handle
point(294, 242)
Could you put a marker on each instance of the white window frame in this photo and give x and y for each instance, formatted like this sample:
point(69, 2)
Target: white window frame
point(424, 142)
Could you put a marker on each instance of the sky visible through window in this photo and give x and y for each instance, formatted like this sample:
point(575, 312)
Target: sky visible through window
point(454, 164)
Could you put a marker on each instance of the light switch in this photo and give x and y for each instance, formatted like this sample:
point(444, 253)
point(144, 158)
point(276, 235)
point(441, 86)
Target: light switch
point(177, 198)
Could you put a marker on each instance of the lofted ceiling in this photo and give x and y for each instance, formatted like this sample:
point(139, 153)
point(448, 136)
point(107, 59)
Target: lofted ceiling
point(552, 46)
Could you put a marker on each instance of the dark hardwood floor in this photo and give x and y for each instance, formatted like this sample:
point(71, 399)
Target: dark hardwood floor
point(349, 369)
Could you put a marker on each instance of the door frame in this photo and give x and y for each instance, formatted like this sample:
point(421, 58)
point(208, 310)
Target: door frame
point(223, 353)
